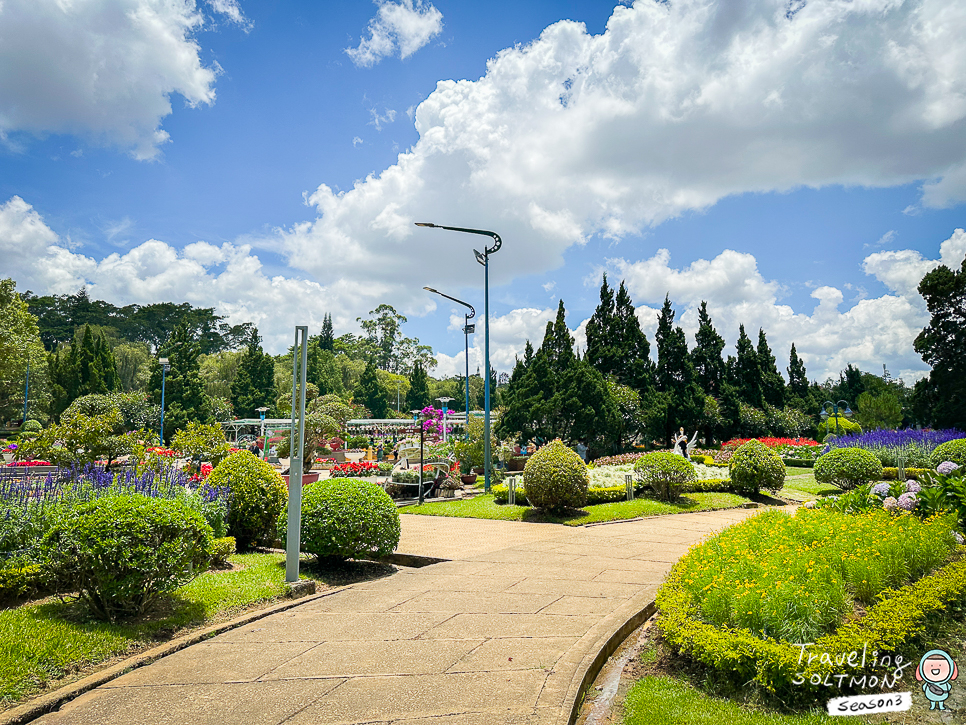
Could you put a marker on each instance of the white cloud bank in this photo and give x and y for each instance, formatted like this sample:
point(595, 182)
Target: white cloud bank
point(399, 27)
point(103, 69)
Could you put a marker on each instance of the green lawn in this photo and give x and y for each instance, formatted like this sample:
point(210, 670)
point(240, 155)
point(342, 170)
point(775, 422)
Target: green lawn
point(804, 487)
point(483, 507)
point(665, 701)
point(46, 641)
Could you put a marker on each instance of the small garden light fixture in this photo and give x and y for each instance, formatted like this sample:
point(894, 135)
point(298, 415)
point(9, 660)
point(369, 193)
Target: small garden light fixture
point(824, 413)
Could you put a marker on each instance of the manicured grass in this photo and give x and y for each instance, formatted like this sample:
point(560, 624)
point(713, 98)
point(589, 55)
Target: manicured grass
point(804, 487)
point(46, 641)
point(484, 507)
point(665, 701)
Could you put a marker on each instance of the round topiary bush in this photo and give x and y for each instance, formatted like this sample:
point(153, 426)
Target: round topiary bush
point(755, 466)
point(848, 467)
point(31, 426)
point(122, 553)
point(258, 495)
point(954, 450)
point(346, 518)
point(845, 428)
point(556, 478)
point(665, 472)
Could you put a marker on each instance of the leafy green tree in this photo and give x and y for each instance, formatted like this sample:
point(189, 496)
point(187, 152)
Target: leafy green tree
point(850, 386)
point(879, 411)
point(185, 398)
point(371, 394)
point(709, 365)
point(747, 372)
point(386, 345)
point(772, 383)
point(80, 438)
point(942, 345)
point(219, 371)
point(20, 343)
point(133, 365)
point(418, 397)
point(254, 385)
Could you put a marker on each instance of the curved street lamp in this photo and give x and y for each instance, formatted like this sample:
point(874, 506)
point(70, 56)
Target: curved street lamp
point(467, 329)
point(835, 413)
point(484, 259)
point(165, 366)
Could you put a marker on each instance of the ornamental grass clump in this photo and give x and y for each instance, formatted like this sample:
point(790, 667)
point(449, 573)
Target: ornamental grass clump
point(346, 518)
point(122, 553)
point(556, 478)
point(795, 578)
point(258, 495)
point(755, 466)
point(848, 468)
point(664, 472)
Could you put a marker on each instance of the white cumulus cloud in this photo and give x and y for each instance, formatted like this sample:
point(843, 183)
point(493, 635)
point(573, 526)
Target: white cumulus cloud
point(399, 27)
point(102, 69)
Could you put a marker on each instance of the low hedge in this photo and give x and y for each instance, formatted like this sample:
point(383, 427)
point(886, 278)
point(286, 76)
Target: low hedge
point(798, 463)
point(221, 549)
point(891, 474)
point(613, 494)
point(779, 666)
point(20, 581)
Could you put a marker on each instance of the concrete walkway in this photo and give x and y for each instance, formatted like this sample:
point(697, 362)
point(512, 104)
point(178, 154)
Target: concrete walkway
point(503, 633)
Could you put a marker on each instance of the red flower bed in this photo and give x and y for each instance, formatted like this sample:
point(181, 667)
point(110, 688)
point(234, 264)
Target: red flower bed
point(771, 442)
point(163, 452)
point(354, 469)
point(30, 463)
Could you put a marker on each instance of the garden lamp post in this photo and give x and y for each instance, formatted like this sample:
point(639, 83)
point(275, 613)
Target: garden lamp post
point(261, 414)
point(444, 402)
point(26, 390)
point(484, 259)
point(417, 418)
point(165, 366)
point(835, 413)
point(467, 330)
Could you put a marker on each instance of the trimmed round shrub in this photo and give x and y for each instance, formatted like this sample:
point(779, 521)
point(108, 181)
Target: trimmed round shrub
point(954, 450)
point(346, 518)
point(845, 428)
point(556, 478)
point(755, 466)
point(31, 426)
point(258, 495)
point(848, 468)
point(122, 553)
point(665, 473)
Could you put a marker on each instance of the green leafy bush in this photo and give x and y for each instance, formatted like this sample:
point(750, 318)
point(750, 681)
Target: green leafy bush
point(20, 581)
point(954, 450)
point(122, 553)
point(891, 474)
point(31, 426)
point(258, 494)
point(845, 427)
point(199, 441)
point(666, 473)
point(556, 478)
point(221, 549)
point(848, 467)
point(755, 466)
point(346, 518)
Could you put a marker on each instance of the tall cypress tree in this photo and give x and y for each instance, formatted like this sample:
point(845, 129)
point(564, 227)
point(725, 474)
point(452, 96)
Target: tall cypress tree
point(558, 344)
point(601, 351)
point(772, 383)
point(747, 372)
point(633, 365)
point(676, 377)
point(254, 384)
point(418, 395)
point(706, 355)
point(370, 392)
point(327, 337)
point(797, 379)
point(184, 390)
point(87, 367)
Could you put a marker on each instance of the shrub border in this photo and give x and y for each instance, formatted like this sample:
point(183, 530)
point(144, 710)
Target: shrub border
point(895, 618)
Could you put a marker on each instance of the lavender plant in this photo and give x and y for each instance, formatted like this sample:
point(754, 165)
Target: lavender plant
point(914, 447)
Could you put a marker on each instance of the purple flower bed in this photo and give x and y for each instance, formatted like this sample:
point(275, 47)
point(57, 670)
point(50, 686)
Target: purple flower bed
point(914, 446)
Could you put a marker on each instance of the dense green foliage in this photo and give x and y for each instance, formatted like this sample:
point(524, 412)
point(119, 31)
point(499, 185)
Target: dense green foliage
point(254, 384)
point(848, 467)
point(185, 398)
point(122, 553)
point(837, 425)
point(258, 495)
point(85, 367)
point(346, 518)
point(20, 346)
point(954, 450)
point(755, 466)
point(556, 478)
point(666, 473)
point(201, 442)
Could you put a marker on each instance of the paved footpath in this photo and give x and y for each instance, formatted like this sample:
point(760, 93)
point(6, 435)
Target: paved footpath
point(500, 634)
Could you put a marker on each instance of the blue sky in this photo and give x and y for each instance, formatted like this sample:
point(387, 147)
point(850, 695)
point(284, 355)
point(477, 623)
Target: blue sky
point(802, 170)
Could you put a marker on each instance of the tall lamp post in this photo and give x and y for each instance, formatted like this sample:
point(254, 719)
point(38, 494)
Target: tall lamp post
point(445, 402)
point(484, 259)
point(261, 414)
point(418, 419)
point(835, 413)
point(165, 366)
point(26, 390)
point(467, 330)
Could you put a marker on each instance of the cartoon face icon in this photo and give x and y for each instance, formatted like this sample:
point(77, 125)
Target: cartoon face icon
point(936, 670)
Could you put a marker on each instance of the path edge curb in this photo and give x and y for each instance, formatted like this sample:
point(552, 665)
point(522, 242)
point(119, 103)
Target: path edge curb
point(51, 701)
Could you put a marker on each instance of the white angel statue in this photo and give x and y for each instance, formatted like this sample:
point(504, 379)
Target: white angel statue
point(682, 446)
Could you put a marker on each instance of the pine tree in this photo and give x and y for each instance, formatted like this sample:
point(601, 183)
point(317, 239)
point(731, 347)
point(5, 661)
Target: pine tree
point(370, 393)
point(706, 355)
point(87, 367)
point(558, 345)
point(418, 395)
point(747, 372)
point(481, 394)
point(327, 338)
point(772, 383)
point(601, 352)
point(633, 366)
point(797, 380)
point(185, 399)
point(254, 384)
point(676, 377)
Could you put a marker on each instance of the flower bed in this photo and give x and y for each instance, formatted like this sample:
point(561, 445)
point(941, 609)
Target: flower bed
point(912, 447)
point(29, 463)
point(354, 469)
point(741, 601)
